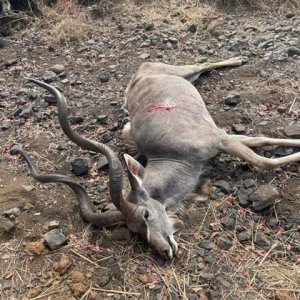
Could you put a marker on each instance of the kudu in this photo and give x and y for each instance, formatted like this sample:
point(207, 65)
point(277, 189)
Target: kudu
point(171, 126)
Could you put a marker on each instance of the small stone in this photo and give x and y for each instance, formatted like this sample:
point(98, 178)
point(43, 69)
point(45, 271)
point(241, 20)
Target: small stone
point(249, 183)
point(7, 225)
point(102, 118)
point(223, 283)
point(102, 163)
point(14, 150)
point(273, 222)
point(53, 224)
point(102, 187)
point(103, 280)
point(228, 222)
point(50, 99)
point(144, 55)
point(106, 137)
point(208, 259)
point(243, 196)
point(293, 51)
point(238, 46)
point(58, 68)
point(26, 112)
point(262, 241)
point(121, 234)
point(104, 78)
point(173, 40)
point(290, 15)
point(28, 188)
point(148, 26)
point(55, 239)
point(80, 166)
point(264, 196)
point(224, 243)
point(192, 28)
point(281, 109)
point(223, 185)
point(146, 44)
point(15, 211)
point(7, 285)
point(238, 128)
point(49, 76)
point(233, 99)
point(207, 244)
point(76, 120)
point(283, 151)
point(244, 236)
point(293, 130)
point(207, 276)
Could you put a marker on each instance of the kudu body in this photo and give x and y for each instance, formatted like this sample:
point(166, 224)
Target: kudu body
point(171, 126)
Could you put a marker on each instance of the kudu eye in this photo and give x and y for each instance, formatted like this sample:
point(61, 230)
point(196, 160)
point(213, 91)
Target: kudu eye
point(146, 214)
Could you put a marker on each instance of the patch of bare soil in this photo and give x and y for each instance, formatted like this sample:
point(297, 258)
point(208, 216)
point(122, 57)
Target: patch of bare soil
point(227, 250)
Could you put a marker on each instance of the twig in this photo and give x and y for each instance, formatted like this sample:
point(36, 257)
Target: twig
point(292, 105)
point(85, 258)
point(116, 292)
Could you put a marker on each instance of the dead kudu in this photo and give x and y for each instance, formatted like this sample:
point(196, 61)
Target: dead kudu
point(171, 126)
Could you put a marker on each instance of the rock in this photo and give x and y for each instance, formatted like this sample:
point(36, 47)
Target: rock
point(262, 241)
point(293, 51)
point(249, 183)
point(208, 259)
point(55, 239)
point(244, 236)
point(58, 68)
point(7, 285)
point(26, 112)
point(15, 211)
point(148, 26)
point(173, 40)
point(264, 196)
point(290, 15)
point(207, 276)
point(102, 118)
point(233, 99)
point(102, 163)
point(238, 128)
point(50, 99)
point(207, 244)
point(49, 76)
point(7, 225)
point(283, 151)
point(144, 55)
point(104, 78)
point(76, 120)
point(224, 243)
point(114, 103)
point(146, 44)
point(103, 280)
point(238, 46)
point(106, 137)
point(102, 187)
point(293, 130)
point(281, 109)
point(53, 224)
point(192, 28)
point(121, 234)
point(223, 186)
point(28, 188)
point(80, 166)
point(228, 222)
point(273, 222)
point(223, 283)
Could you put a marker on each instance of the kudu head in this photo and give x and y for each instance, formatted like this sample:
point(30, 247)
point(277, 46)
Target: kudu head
point(149, 217)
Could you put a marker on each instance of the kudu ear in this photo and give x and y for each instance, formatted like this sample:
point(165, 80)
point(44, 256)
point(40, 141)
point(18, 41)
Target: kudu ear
point(176, 223)
point(136, 173)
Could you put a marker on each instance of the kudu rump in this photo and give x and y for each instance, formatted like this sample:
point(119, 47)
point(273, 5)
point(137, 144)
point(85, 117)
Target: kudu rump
point(171, 126)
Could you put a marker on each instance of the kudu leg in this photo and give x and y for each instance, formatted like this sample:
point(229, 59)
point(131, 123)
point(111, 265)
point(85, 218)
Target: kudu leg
point(235, 147)
point(261, 141)
point(189, 72)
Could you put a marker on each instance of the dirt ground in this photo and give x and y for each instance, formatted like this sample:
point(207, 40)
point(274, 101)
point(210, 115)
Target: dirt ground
point(98, 59)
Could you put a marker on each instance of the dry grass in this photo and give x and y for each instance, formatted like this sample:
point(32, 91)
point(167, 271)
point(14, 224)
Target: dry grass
point(267, 5)
point(65, 20)
point(180, 14)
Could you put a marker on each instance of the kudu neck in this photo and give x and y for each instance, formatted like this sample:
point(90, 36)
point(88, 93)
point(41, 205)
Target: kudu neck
point(170, 180)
